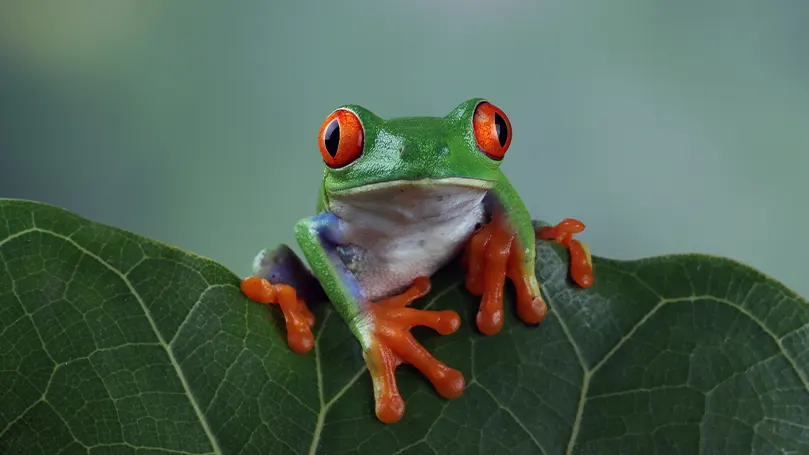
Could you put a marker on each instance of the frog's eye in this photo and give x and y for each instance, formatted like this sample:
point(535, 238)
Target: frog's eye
point(492, 130)
point(341, 138)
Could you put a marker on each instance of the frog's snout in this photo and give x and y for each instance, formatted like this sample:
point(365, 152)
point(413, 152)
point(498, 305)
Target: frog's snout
point(437, 149)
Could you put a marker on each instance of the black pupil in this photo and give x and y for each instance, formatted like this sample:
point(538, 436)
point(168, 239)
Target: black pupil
point(332, 137)
point(502, 129)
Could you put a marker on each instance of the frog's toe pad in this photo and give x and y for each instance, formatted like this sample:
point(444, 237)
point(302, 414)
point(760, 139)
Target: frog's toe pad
point(532, 310)
point(391, 344)
point(299, 320)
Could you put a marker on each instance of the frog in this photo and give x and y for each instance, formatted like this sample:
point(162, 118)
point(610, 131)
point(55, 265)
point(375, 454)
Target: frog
point(400, 199)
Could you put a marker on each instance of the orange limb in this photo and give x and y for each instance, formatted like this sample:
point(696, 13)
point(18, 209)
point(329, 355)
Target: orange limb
point(581, 267)
point(392, 344)
point(531, 307)
point(299, 320)
point(492, 255)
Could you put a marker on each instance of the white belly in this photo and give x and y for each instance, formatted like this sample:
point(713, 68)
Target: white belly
point(397, 234)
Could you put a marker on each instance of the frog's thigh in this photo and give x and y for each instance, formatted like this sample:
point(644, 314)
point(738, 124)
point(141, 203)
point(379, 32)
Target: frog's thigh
point(282, 266)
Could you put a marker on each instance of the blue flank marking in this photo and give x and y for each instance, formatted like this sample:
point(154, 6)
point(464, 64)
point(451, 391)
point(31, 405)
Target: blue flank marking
point(491, 203)
point(331, 234)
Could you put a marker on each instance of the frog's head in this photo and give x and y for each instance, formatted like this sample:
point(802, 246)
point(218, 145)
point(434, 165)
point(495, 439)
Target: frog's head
point(364, 153)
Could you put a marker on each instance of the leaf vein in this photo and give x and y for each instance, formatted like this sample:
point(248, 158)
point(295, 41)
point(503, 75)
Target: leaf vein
point(513, 416)
point(324, 408)
point(173, 360)
point(194, 307)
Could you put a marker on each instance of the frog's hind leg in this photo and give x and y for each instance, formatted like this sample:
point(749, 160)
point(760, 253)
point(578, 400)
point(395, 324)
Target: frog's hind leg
point(279, 277)
point(581, 264)
point(282, 266)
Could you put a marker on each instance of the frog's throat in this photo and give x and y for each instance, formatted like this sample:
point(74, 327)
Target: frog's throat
point(462, 182)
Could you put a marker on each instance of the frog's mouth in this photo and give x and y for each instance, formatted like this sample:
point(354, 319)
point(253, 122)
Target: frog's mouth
point(456, 182)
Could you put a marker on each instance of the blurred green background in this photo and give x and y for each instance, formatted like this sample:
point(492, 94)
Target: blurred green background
point(665, 126)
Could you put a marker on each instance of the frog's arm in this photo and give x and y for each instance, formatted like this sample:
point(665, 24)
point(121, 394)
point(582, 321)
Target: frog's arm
point(505, 248)
point(505, 196)
point(318, 237)
point(383, 328)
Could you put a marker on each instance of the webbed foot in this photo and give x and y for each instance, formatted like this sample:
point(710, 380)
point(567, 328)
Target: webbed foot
point(387, 342)
point(299, 320)
point(581, 264)
point(491, 255)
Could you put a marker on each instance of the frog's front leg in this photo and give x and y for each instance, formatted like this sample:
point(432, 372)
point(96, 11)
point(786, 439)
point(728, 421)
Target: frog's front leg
point(382, 327)
point(504, 248)
point(496, 252)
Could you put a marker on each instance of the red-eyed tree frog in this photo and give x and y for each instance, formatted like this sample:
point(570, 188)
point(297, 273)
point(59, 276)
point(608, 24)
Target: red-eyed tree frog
point(400, 198)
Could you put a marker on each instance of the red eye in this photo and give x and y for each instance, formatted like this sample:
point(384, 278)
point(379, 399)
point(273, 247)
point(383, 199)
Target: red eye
point(341, 138)
point(492, 130)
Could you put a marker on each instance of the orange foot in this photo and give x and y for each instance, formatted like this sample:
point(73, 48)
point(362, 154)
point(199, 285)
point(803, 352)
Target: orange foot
point(389, 343)
point(297, 315)
point(492, 254)
point(581, 264)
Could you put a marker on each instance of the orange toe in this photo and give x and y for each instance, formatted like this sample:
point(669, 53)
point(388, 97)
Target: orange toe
point(581, 270)
point(382, 363)
point(299, 320)
point(562, 231)
point(490, 317)
point(258, 290)
point(390, 408)
point(393, 344)
point(581, 267)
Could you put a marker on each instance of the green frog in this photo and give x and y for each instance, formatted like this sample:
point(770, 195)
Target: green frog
point(400, 199)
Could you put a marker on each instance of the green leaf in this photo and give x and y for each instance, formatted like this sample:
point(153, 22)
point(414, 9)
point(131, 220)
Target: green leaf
point(112, 343)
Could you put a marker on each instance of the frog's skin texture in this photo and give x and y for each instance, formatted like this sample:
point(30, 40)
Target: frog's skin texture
point(400, 198)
